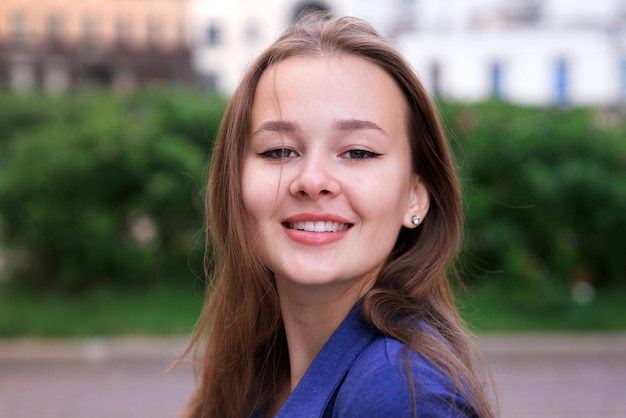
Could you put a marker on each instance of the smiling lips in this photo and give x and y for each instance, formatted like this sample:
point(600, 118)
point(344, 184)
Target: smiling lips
point(317, 226)
point(316, 232)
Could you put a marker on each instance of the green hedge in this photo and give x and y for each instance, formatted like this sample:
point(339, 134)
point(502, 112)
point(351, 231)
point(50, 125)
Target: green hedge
point(104, 189)
point(545, 194)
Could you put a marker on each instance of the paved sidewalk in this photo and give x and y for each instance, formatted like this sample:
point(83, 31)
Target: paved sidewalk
point(538, 376)
point(559, 376)
point(95, 378)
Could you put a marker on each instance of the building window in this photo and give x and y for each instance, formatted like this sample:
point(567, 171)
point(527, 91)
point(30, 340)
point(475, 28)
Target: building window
point(22, 76)
point(55, 76)
point(182, 34)
point(54, 29)
point(213, 35)
point(19, 29)
point(561, 79)
point(122, 31)
point(435, 79)
point(90, 32)
point(622, 78)
point(154, 33)
point(406, 16)
point(252, 33)
point(496, 80)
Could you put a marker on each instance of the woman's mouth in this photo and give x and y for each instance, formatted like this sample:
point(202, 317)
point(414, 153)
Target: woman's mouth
point(317, 226)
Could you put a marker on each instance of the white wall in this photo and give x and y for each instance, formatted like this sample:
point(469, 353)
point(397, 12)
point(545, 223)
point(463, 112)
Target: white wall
point(528, 59)
point(464, 37)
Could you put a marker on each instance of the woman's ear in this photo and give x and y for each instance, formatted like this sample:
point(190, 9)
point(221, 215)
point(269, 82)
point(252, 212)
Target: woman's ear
point(419, 203)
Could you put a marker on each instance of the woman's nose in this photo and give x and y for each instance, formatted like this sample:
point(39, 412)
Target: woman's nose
point(314, 178)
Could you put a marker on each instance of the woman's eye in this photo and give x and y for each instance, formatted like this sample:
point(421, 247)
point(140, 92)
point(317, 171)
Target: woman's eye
point(359, 154)
point(279, 154)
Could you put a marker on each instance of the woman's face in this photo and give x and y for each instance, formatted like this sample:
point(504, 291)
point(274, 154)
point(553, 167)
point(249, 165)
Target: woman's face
point(327, 179)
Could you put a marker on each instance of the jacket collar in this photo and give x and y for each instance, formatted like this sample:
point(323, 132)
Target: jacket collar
point(317, 388)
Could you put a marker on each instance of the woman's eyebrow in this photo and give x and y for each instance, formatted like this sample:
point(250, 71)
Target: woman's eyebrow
point(355, 124)
point(277, 126)
point(338, 125)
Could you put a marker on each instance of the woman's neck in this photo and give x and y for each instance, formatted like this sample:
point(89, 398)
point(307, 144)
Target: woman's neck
point(307, 330)
point(311, 314)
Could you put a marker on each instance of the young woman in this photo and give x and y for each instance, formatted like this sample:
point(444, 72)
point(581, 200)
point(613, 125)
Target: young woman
point(333, 215)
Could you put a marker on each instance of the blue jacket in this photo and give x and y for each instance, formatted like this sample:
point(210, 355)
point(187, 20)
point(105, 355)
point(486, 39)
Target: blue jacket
point(360, 372)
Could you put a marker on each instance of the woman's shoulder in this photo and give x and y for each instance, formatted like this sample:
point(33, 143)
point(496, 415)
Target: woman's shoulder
point(377, 384)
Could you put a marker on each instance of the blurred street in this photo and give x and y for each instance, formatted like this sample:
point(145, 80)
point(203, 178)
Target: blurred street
point(559, 376)
point(538, 376)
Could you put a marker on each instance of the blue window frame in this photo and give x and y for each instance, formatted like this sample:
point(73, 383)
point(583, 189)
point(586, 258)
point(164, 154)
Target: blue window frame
point(562, 82)
point(622, 80)
point(496, 80)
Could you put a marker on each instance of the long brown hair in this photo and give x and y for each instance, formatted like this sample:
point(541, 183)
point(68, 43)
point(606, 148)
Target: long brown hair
point(245, 354)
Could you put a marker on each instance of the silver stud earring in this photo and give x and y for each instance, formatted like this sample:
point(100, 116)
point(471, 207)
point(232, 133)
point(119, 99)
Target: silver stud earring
point(415, 219)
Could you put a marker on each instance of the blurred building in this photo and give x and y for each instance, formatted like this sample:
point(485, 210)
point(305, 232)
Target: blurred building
point(55, 45)
point(557, 52)
point(228, 34)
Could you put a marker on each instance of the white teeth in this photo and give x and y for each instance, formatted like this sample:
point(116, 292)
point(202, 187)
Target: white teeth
point(319, 226)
